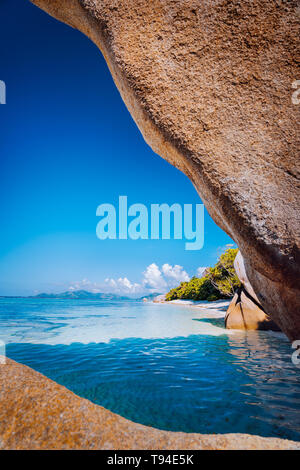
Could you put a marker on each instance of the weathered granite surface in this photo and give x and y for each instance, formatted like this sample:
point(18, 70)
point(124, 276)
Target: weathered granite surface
point(245, 315)
point(209, 84)
point(243, 312)
point(37, 413)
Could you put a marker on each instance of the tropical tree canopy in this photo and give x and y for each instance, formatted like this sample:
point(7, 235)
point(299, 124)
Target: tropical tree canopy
point(218, 282)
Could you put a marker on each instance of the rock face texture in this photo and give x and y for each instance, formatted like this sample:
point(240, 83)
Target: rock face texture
point(37, 413)
point(244, 312)
point(209, 84)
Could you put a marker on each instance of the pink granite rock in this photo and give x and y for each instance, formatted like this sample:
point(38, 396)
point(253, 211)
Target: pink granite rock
point(37, 413)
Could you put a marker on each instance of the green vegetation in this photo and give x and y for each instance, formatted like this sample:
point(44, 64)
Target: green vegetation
point(218, 282)
point(223, 276)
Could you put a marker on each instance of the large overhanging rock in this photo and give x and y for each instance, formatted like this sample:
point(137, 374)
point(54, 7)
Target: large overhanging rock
point(209, 84)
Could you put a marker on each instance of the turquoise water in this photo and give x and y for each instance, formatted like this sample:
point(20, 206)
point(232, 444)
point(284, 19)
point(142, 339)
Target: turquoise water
point(169, 366)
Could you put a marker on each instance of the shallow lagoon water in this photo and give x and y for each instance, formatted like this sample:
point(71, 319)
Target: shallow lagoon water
point(168, 366)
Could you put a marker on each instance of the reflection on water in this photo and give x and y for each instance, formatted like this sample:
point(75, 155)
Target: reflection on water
point(142, 367)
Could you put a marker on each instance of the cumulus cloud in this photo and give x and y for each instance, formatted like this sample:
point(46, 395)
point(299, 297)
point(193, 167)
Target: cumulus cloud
point(85, 284)
point(122, 286)
point(110, 285)
point(175, 273)
point(153, 279)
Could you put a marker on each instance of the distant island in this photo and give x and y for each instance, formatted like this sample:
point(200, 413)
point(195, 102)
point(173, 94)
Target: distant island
point(82, 294)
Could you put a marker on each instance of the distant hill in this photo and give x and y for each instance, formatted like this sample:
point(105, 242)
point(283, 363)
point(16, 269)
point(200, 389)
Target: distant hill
point(79, 294)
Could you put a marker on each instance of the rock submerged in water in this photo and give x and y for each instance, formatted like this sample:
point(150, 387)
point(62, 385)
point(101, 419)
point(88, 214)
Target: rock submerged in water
point(245, 311)
point(210, 86)
point(245, 315)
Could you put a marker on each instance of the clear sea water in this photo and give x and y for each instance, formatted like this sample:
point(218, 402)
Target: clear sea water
point(168, 366)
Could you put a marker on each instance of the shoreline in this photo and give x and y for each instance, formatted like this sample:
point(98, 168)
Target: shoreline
point(217, 309)
point(217, 306)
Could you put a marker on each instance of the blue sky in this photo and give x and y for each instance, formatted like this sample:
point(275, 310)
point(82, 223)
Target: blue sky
point(67, 145)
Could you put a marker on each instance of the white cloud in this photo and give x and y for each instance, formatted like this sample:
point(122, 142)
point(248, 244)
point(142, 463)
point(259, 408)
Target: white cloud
point(87, 285)
point(175, 273)
point(122, 286)
point(161, 280)
point(153, 279)
point(115, 286)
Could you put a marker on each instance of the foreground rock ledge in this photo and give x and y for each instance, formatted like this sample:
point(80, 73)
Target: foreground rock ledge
point(37, 413)
point(210, 83)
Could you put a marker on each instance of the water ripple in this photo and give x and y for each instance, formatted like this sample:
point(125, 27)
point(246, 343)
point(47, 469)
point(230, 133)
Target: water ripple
point(202, 380)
